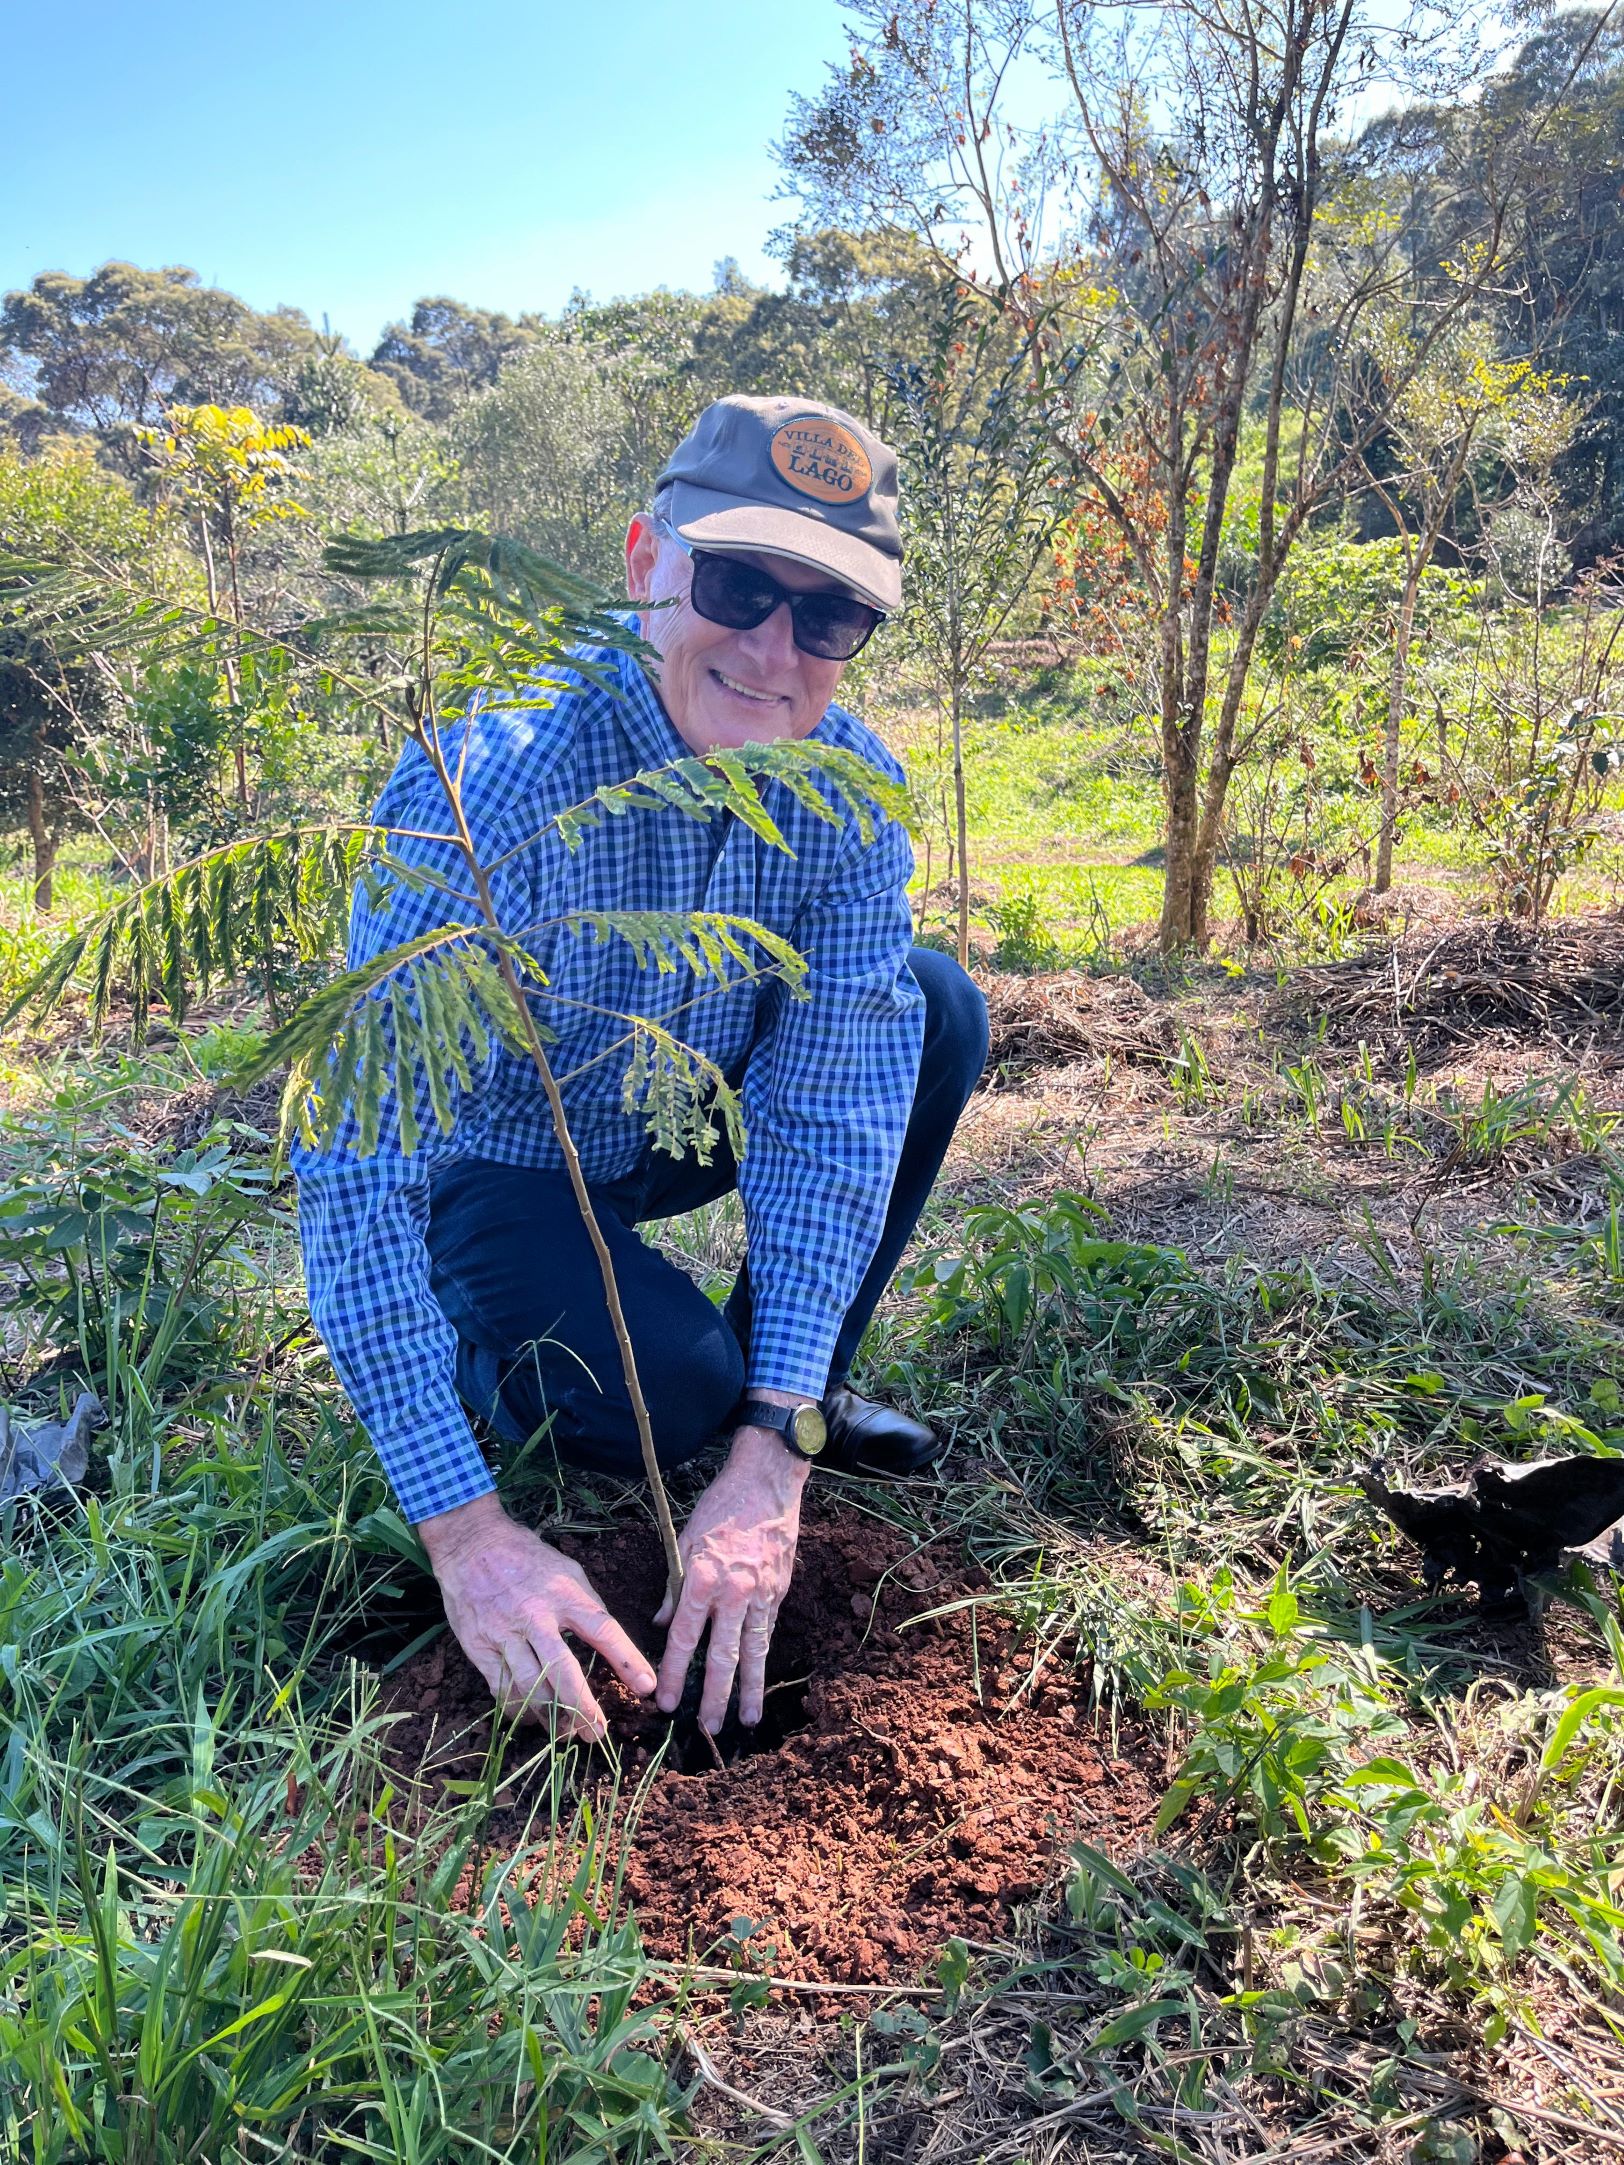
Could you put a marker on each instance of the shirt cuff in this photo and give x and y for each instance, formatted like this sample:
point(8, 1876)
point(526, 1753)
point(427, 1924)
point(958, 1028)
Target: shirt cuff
point(435, 1468)
point(779, 1362)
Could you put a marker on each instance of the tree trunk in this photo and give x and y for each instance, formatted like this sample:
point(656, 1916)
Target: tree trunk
point(962, 826)
point(44, 841)
point(1180, 913)
point(1397, 683)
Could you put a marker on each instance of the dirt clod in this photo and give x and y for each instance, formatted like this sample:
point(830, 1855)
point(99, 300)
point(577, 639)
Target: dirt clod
point(882, 1807)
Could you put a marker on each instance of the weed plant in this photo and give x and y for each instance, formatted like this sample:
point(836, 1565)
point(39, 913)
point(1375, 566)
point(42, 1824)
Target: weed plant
point(1317, 1721)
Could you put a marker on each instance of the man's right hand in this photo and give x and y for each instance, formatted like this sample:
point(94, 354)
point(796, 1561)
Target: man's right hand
point(509, 1598)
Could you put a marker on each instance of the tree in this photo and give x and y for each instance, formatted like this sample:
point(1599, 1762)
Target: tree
point(1211, 248)
point(978, 511)
point(1463, 408)
point(230, 473)
point(550, 453)
point(1558, 112)
point(331, 390)
point(57, 686)
point(447, 352)
point(110, 352)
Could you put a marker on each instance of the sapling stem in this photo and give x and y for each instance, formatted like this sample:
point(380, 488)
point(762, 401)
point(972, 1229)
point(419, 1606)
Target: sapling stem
point(611, 1287)
point(428, 737)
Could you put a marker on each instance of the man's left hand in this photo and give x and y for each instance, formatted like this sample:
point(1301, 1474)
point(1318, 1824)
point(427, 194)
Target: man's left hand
point(738, 1552)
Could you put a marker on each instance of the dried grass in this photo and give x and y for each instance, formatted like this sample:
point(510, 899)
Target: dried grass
point(1562, 982)
point(1050, 1020)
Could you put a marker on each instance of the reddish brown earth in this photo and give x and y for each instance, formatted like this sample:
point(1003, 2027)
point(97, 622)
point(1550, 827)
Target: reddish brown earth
point(884, 1807)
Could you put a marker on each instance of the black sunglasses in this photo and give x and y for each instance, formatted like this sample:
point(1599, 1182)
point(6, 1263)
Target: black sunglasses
point(832, 627)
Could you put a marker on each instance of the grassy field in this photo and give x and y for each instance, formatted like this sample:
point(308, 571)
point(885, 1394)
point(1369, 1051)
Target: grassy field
point(1202, 1251)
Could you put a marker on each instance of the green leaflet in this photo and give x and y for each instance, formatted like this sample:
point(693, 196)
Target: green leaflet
point(731, 781)
point(180, 935)
point(400, 1024)
point(681, 1095)
point(705, 941)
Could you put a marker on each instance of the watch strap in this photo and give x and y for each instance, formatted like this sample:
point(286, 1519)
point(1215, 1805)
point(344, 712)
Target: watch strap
point(780, 1420)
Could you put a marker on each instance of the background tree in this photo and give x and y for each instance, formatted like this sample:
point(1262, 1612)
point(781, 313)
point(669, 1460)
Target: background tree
point(1205, 320)
point(111, 352)
point(447, 352)
point(1555, 115)
point(551, 452)
point(1465, 407)
point(57, 686)
point(230, 474)
point(978, 509)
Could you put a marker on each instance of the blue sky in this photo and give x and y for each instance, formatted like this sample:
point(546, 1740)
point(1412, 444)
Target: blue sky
point(349, 157)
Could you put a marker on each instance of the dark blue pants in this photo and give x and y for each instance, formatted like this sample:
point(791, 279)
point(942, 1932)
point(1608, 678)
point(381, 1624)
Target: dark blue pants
point(515, 1273)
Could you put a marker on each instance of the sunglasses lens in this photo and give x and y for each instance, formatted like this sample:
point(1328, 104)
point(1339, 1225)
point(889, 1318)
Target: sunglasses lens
point(728, 592)
point(832, 627)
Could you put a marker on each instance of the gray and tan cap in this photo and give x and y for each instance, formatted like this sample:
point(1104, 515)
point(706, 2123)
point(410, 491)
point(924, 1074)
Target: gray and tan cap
point(794, 478)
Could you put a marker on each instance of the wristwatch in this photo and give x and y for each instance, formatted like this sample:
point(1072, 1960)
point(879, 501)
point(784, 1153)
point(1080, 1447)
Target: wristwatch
point(802, 1427)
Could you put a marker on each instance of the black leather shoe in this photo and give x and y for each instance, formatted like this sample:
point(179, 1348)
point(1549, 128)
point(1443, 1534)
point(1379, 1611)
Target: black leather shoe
point(875, 1440)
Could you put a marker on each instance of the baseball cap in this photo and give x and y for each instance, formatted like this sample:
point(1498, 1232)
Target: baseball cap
point(794, 478)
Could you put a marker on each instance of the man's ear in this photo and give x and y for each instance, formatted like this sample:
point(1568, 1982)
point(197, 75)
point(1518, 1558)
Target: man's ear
point(642, 554)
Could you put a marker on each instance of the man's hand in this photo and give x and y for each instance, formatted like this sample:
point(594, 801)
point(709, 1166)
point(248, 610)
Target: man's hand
point(738, 1551)
point(510, 1598)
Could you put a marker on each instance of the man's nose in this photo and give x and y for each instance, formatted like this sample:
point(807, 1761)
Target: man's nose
point(771, 643)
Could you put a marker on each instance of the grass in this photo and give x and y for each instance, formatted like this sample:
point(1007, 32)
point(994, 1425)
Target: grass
point(1384, 1893)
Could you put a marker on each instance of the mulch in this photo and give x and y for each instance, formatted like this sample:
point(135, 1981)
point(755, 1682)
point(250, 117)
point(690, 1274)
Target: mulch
point(1561, 982)
point(1051, 1020)
point(174, 1120)
point(906, 1789)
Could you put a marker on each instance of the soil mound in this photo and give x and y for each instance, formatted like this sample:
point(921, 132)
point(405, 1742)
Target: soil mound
point(1049, 1021)
point(1498, 977)
point(894, 1796)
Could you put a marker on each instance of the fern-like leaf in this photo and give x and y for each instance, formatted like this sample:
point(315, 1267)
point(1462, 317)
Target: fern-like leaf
point(710, 943)
point(179, 936)
point(731, 781)
point(399, 1029)
point(684, 1100)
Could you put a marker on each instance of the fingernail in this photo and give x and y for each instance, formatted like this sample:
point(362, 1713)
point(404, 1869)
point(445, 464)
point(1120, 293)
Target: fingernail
point(667, 1702)
point(646, 1683)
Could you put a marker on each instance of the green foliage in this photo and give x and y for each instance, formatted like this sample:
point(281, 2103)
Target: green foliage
point(112, 351)
point(1025, 1276)
point(1337, 601)
point(54, 698)
point(177, 937)
point(135, 1268)
point(1025, 941)
point(1545, 822)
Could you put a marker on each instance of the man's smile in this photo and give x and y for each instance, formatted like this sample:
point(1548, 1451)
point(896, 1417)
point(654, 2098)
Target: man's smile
point(744, 691)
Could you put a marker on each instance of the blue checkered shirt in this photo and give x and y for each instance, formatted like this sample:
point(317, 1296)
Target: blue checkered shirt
point(826, 1094)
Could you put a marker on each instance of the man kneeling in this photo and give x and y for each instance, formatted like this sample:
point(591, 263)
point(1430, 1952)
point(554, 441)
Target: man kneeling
point(461, 1278)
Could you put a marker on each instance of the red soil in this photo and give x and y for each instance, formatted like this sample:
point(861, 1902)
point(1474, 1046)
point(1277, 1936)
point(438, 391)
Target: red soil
point(885, 1806)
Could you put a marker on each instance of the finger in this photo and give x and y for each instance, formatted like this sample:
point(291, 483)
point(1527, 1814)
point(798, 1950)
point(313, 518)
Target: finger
point(562, 1692)
point(721, 1663)
point(687, 1627)
point(753, 1646)
point(591, 1621)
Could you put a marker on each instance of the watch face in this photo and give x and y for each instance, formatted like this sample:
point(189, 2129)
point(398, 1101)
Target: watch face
point(808, 1429)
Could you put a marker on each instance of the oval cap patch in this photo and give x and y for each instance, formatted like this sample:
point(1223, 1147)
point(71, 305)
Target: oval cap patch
point(822, 460)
